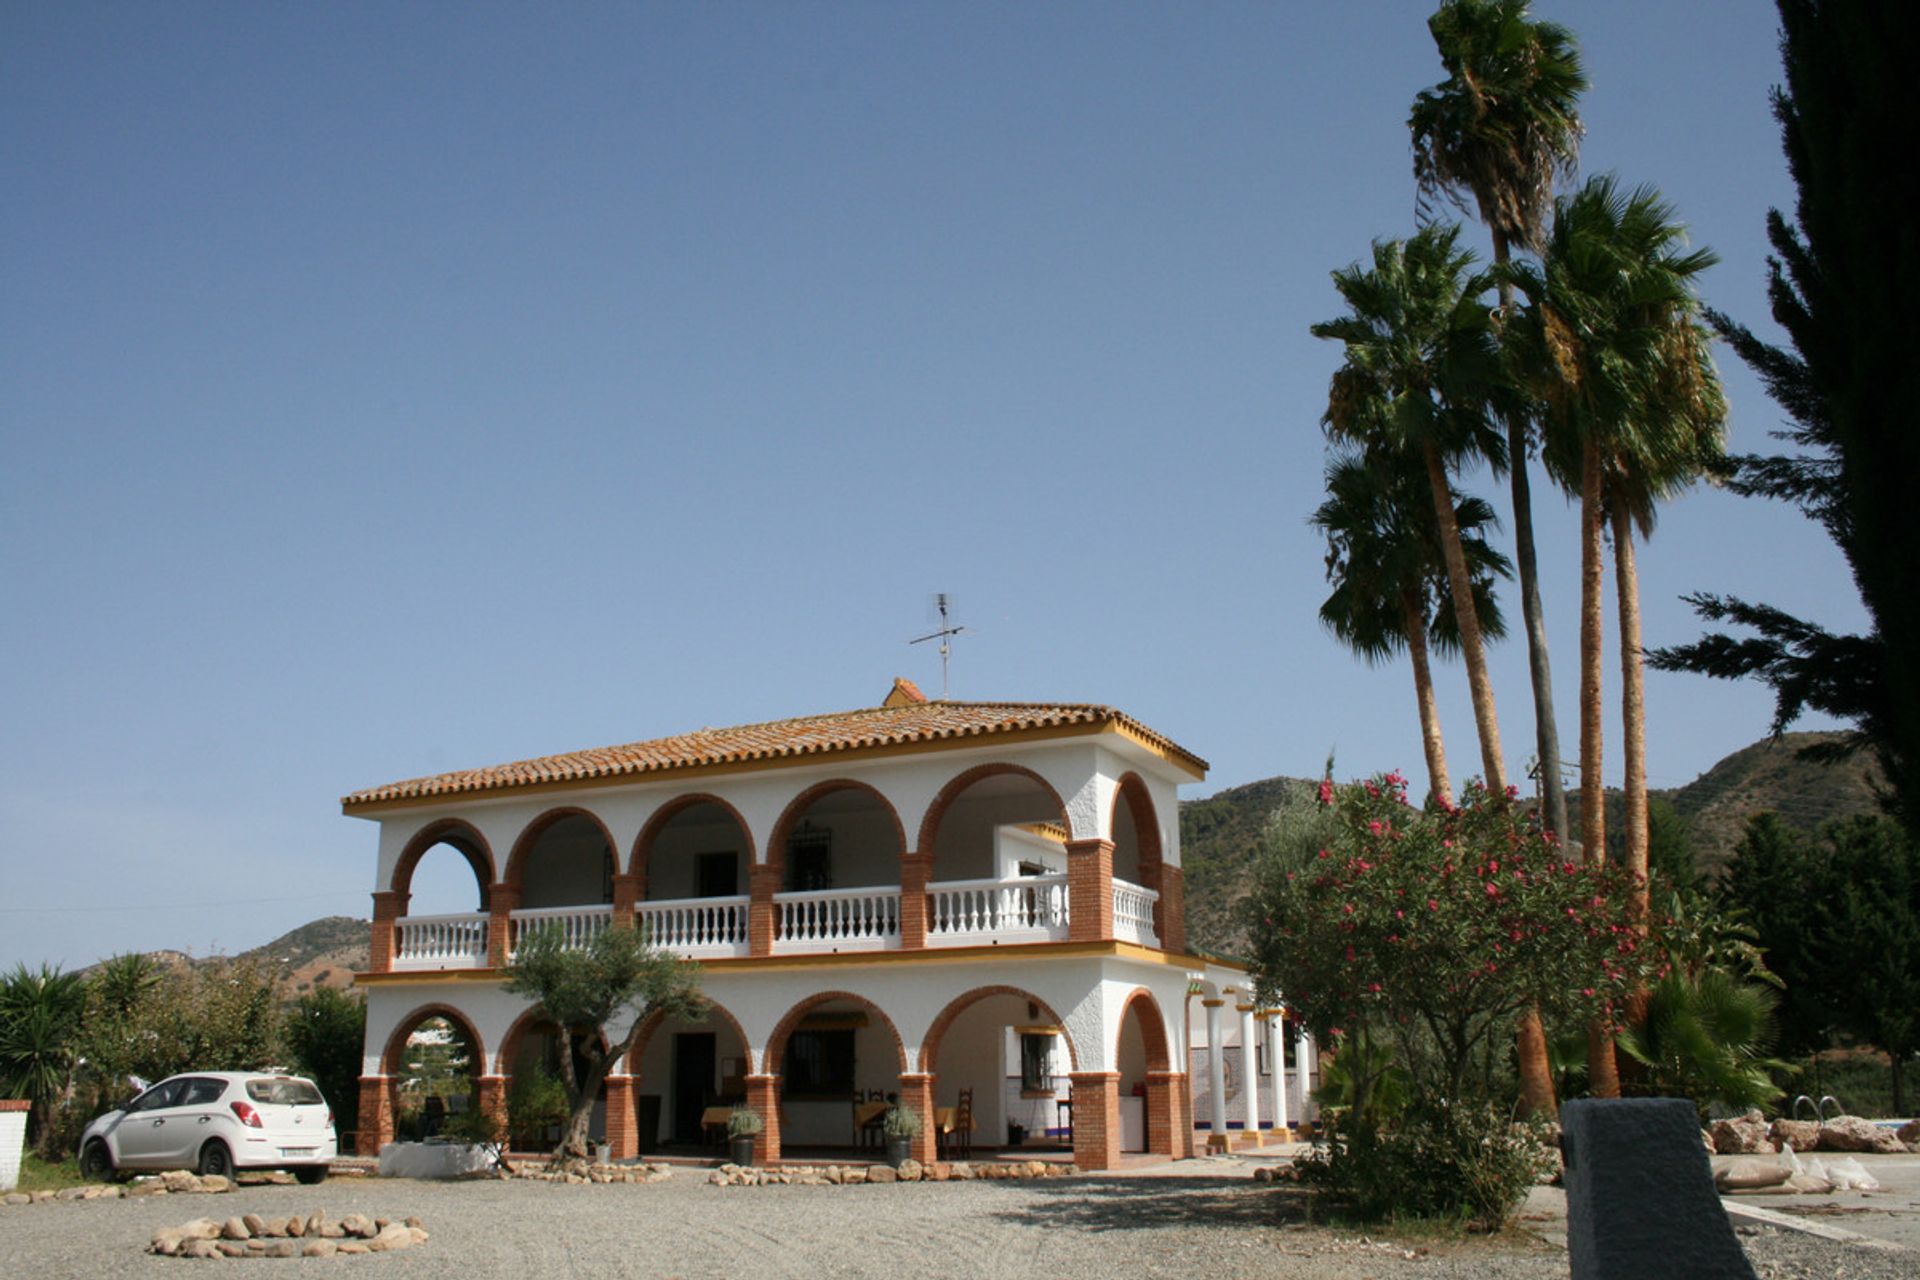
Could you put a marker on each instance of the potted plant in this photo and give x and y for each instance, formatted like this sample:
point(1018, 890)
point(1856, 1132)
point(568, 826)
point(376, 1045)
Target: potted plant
point(901, 1125)
point(742, 1127)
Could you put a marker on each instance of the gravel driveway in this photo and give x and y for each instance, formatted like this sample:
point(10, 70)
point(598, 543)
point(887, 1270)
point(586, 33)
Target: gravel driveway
point(1196, 1228)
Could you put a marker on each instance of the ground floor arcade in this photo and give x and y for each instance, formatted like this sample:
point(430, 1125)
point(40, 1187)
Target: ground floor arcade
point(1084, 1046)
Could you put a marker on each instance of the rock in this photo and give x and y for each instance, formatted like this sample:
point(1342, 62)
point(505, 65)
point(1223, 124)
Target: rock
point(146, 1187)
point(392, 1236)
point(41, 1197)
point(17, 1197)
point(255, 1225)
point(235, 1229)
point(178, 1180)
point(1909, 1132)
point(71, 1193)
point(1742, 1135)
point(1801, 1135)
point(200, 1249)
point(1852, 1133)
point(281, 1249)
point(413, 1221)
point(419, 1234)
point(213, 1182)
point(357, 1224)
point(317, 1222)
point(320, 1248)
point(1037, 1168)
point(1749, 1174)
point(331, 1230)
point(296, 1226)
point(200, 1229)
point(353, 1246)
point(853, 1177)
point(167, 1241)
point(231, 1248)
point(911, 1171)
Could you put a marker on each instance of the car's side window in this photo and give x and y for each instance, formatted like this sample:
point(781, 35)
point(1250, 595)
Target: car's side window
point(202, 1093)
point(161, 1095)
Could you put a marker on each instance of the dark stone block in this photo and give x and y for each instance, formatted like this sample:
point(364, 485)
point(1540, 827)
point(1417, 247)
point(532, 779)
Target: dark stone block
point(1640, 1195)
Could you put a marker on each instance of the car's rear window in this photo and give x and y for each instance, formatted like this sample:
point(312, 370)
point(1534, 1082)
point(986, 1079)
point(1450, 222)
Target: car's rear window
point(284, 1093)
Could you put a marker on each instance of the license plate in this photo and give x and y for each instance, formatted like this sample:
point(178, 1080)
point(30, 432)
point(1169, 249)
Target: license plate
point(298, 1151)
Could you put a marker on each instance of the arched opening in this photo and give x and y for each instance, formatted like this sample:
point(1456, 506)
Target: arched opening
point(692, 860)
point(433, 1063)
point(690, 1072)
point(537, 1108)
point(1136, 834)
point(996, 822)
point(839, 1059)
point(1011, 1055)
point(836, 851)
point(446, 867)
point(1141, 1056)
point(564, 859)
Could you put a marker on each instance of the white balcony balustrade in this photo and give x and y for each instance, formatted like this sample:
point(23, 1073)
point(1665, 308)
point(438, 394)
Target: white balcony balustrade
point(971, 913)
point(577, 925)
point(440, 942)
point(1133, 913)
point(698, 927)
point(837, 920)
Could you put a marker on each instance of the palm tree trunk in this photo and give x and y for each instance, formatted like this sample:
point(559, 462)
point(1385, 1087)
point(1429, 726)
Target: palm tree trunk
point(1546, 730)
point(1633, 708)
point(1436, 748)
point(1485, 718)
point(1603, 1069)
point(1536, 1068)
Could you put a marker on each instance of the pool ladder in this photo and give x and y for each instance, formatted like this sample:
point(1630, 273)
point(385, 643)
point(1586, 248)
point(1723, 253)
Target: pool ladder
point(1819, 1108)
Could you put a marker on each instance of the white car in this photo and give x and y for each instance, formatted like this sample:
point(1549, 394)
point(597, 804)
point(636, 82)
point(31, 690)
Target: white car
point(216, 1122)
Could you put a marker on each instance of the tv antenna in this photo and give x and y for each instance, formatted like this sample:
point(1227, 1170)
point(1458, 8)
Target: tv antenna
point(943, 603)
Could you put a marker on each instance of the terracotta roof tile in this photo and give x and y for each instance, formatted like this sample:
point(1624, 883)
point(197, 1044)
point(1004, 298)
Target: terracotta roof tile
point(844, 731)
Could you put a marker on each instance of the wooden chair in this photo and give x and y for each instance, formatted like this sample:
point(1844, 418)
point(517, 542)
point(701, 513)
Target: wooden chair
point(955, 1135)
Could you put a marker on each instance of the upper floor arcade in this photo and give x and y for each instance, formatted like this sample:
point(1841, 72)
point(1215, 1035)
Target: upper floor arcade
point(909, 827)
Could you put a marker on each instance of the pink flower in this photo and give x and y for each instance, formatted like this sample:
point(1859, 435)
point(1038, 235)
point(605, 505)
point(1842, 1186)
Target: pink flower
point(1433, 904)
point(1326, 791)
point(1493, 890)
point(1347, 908)
point(1373, 986)
point(1373, 828)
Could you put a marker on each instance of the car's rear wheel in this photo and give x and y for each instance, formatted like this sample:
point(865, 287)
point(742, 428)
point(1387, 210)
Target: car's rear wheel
point(96, 1162)
point(310, 1174)
point(216, 1159)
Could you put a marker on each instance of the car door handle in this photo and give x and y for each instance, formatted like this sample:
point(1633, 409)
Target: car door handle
point(204, 1119)
point(158, 1123)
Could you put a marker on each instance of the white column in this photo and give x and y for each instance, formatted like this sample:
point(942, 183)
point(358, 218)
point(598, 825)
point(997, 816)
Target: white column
point(1303, 1069)
point(1249, 1074)
point(1216, 1070)
point(1276, 1032)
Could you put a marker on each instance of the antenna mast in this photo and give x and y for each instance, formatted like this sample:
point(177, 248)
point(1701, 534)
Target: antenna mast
point(944, 603)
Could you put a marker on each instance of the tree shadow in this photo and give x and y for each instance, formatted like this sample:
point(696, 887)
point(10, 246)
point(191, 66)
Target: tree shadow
point(1134, 1204)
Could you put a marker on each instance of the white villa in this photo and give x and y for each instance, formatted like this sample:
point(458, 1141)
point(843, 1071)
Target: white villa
point(975, 906)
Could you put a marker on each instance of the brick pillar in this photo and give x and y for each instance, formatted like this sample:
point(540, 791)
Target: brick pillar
point(503, 899)
point(1170, 913)
point(388, 906)
point(627, 891)
point(1096, 1117)
point(1163, 1113)
point(376, 1116)
point(1186, 1115)
point(762, 883)
point(623, 1121)
point(490, 1095)
point(763, 1095)
point(916, 1094)
point(1089, 893)
point(916, 869)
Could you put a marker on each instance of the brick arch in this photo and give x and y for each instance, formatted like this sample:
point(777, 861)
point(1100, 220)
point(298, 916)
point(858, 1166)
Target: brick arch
point(1153, 1028)
point(643, 844)
point(930, 1046)
point(655, 1020)
point(462, 837)
point(776, 851)
point(1146, 822)
point(397, 1042)
point(515, 872)
point(930, 824)
point(776, 1050)
point(527, 1021)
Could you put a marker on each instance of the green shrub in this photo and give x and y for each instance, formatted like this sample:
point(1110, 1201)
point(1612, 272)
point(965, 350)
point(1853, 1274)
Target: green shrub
point(536, 1100)
point(900, 1122)
point(1469, 1164)
point(744, 1122)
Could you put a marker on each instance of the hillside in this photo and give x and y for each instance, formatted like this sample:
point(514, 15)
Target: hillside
point(1220, 835)
point(321, 953)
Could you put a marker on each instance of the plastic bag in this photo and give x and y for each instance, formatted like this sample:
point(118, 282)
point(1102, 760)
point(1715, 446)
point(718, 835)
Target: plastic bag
point(1848, 1174)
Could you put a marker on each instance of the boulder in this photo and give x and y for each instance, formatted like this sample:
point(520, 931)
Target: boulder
point(353, 1246)
point(213, 1182)
point(882, 1173)
point(1742, 1135)
point(231, 1248)
point(200, 1229)
point(179, 1180)
point(281, 1249)
point(1801, 1135)
point(911, 1171)
point(255, 1225)
point(235, 1229)
point(200, 1249)
point(357, 1224)
point(319, 1248)
point(1909, 1133)
point(392, 1236)
point(18, 1197)
point(1853, 1133)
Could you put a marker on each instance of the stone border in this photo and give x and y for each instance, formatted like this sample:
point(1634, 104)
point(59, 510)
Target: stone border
point(848, 1175)
point(311, 1235)
point(173, 1182)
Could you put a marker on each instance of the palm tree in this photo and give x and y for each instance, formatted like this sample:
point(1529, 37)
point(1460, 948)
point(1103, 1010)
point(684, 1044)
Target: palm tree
point(1632, 411)
point(1389, 576)
point(1422, 366)
point(40, 1015)
point(1500, 127)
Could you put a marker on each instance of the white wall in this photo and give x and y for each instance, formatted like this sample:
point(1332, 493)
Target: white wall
point(673, 866)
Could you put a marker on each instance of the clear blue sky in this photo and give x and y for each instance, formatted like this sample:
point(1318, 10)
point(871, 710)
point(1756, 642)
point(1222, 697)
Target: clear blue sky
point(394, 388)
